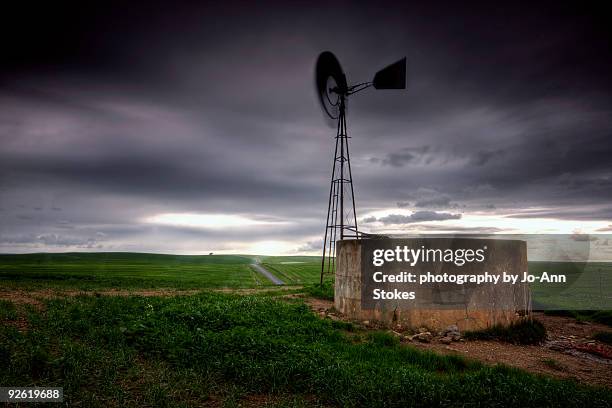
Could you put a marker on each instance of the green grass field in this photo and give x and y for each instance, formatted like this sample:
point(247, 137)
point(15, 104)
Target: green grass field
point(589, 286)
point(94, 271)
point(227, 349)
point(224, 349)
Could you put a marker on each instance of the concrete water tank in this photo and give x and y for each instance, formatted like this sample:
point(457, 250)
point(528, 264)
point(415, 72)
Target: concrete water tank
point(470, 309)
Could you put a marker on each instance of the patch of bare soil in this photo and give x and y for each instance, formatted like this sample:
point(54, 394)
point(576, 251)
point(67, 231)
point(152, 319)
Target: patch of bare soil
point(35, 297)
point(21, 323)
point(249, 291)
point(536, 359)
point(565, 354)
point(319, 305)
point(21, 297)
point(265, 400)
point(558, 326)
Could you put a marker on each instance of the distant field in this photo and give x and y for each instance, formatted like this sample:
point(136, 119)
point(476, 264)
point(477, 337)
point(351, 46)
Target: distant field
point(588, 287)
point(91, 271)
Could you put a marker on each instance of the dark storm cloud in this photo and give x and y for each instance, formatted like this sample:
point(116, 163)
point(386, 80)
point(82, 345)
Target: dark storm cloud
point(311, 246)
point(427, 197)
point(52, 240)
point(417, 216)
point(441, 201)
point(461, 229)
point(113, 112)
point(407, 155)
point(553, 154)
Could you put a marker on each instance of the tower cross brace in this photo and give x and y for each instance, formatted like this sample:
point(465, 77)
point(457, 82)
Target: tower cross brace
point(341, 216)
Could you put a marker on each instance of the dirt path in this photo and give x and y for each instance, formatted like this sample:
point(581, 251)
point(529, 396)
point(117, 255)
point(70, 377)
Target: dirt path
point(536, 359)
point(36, 297)
point(540, 359)
point(267, 274)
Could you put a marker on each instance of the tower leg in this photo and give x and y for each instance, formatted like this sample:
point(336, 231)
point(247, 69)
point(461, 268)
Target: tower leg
point(338, 222)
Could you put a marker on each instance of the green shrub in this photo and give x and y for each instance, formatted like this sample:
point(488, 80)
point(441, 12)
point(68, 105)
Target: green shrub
point(603, 317)
point(383, 339)
point(552, 363)
point(526, 331)
point(342, 325)
point(597, 316)
point(7, 310)
point(326, 292)
point(561, 313)
point(604, 337)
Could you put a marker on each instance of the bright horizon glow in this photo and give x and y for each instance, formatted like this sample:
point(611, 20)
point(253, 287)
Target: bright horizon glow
point(504, 222)
point(271, 248)
point(266, 247)
point(211, 221)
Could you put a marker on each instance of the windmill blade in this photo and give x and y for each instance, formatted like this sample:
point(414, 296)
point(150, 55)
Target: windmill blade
point(329, 81)
point(392, 76)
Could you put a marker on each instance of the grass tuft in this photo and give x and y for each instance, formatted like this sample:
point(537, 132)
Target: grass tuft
point(8, 311)
point(604, 337)
point(552, 363)
point(315, 290)
point(383, 339)
point(526, 331)
point(597, 316)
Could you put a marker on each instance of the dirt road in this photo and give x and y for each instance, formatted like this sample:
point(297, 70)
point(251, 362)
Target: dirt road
point(267, 274)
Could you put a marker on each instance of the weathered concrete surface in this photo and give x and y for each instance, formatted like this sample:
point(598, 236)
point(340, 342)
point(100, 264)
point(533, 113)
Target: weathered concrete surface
point(506, 255)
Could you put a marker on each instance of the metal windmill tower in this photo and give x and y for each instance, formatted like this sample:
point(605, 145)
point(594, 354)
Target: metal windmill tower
point(333, 91)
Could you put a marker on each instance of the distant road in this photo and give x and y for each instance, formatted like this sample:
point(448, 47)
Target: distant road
point(267, 274)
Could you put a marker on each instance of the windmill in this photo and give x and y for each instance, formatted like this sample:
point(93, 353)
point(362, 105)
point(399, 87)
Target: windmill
point(333, 91)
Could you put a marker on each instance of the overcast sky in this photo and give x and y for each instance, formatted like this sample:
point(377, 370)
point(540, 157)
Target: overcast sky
point(195, 129)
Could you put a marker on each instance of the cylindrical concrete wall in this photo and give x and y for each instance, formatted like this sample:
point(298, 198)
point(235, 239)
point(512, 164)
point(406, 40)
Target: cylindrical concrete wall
point(504, 303)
